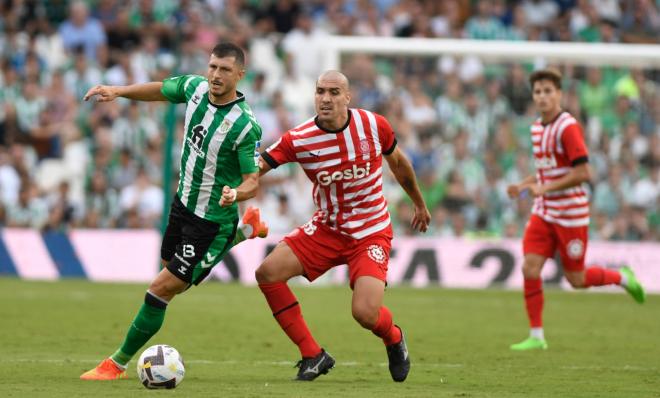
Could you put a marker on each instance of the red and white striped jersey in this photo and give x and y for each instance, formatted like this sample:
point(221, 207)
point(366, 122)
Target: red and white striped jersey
point(346, 168)
point(557, 147)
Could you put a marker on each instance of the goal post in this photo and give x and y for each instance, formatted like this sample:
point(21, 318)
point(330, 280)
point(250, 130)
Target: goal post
point(588, 54)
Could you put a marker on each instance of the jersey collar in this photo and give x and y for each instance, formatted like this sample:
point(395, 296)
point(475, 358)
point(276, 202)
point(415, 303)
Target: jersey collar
point(554, 119)
point(339, 130)
point(240, 97)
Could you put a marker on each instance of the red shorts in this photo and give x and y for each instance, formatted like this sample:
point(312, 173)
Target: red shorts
point(544, 238)
point(320, 248)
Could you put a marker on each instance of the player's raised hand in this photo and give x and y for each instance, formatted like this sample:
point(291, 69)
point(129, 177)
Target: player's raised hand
point(421, 219)
point(228, 196)
point(102, 93)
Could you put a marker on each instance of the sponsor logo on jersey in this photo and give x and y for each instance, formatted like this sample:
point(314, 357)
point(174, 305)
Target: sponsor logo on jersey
point(545, 162)
point(354, 173)
point(196, 139)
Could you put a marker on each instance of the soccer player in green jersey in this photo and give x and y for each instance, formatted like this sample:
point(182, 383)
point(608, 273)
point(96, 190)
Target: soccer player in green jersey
point(219, 167)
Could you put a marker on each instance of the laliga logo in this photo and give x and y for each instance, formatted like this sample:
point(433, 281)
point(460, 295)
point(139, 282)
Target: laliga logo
point(327, 178)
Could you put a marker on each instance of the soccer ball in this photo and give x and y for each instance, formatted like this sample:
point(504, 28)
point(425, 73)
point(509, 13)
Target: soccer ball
point(160, 366)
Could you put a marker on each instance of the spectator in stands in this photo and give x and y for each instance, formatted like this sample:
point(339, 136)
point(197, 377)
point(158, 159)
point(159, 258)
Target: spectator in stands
point(303, 47)
point(608, 195)
point(10, 180)
point(82, 75)
point(450, 105)
point(134, 129)
point(540, 13)
point(30, 211)
point(121, 34)
point(483, 25)
point(82, 30)
point(641, 22)
point(61, 211)
point(141, 202)
point(516, 90)
point(595, 97)
point(101, 203)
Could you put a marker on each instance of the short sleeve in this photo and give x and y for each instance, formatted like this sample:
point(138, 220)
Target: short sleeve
point(385, 135)
point(572, 140)
point(280, 152)
point(248, 151)
point(174, 88)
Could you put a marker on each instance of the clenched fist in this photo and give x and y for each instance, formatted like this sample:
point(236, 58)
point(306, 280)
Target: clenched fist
point(228, 196)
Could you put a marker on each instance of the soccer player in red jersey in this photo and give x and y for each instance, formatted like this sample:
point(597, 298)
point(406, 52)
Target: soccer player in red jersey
point(560, 215)
point(341, 151)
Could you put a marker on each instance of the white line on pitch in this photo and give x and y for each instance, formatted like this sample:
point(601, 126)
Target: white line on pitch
point(226, 362)
point(624, 367)
point(629, 368)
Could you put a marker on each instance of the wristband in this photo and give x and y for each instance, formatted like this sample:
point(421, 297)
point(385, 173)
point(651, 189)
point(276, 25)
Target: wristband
point(233, 194)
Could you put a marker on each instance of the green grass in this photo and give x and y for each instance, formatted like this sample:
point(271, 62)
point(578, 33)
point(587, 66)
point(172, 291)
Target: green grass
point(601, 345)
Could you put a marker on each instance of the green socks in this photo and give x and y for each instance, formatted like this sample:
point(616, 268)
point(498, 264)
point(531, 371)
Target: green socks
point(146, 323)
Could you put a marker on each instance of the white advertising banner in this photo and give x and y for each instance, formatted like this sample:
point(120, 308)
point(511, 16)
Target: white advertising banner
point(133, 256)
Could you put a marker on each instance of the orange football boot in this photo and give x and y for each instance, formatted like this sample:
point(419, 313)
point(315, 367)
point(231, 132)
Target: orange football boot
point(106, 370)
point(252, 217)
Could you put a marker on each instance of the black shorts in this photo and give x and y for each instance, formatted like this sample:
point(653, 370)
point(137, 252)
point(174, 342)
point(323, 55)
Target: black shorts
point(192, 246)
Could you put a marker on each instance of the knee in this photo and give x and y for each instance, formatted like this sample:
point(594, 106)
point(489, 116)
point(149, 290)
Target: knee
point(365, 314)
point(577, 281)
point(164, 290)
point(531, 270)
point(266, 273)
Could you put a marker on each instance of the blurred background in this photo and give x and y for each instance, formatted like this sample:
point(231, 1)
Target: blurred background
point(464, 123)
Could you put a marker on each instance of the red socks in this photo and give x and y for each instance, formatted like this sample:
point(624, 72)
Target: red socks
point(287, 312)
point(593, 276)
point(385, 328)
point(534, 302)
point(598, 276)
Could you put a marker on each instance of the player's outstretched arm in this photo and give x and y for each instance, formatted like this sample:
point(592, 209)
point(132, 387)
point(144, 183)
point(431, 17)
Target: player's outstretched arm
point(405, 176)
point(140, 92)
point(245, 191)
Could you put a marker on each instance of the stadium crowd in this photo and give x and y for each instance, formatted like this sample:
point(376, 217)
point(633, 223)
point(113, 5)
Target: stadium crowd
point(464, 124)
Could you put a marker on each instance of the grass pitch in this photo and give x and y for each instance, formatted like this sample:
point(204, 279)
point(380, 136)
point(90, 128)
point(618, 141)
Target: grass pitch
point(601, 345)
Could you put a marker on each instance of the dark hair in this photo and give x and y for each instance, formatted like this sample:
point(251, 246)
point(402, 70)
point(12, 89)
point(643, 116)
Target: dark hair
point(551, 75)
point(226, 49)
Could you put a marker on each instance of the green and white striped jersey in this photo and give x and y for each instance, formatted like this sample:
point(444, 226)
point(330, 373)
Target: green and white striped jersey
point(220, 144)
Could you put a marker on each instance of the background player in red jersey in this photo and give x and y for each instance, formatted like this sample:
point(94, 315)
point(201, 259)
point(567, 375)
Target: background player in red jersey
point(341, 151)
point(560, 216)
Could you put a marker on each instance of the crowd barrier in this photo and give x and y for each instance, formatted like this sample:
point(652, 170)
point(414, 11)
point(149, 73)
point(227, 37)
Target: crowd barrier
point(133, 256)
